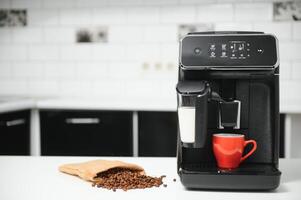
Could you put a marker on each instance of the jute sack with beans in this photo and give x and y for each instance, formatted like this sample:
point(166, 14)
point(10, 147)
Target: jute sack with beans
point(90, 170)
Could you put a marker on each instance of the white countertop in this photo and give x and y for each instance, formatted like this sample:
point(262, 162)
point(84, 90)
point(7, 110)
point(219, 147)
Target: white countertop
point(8, 104)
point(21, 103)
point(38, 178)
point(101, 104)
point(15, 103)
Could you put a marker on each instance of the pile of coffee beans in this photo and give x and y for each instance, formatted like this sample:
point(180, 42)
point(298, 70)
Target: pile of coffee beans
point(125, 179)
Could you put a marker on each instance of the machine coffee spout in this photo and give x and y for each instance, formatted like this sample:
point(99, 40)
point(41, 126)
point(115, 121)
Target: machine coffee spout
point(229, 112)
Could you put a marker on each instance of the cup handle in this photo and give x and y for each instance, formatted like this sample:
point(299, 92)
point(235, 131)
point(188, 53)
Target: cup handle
point(252, 150)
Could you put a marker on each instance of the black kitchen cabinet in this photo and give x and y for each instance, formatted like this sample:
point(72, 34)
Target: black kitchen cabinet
point(86, 133)
point(157, 133)
point(15, 133)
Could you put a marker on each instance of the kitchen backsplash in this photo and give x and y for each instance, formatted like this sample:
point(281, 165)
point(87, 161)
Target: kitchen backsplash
point(126, 48)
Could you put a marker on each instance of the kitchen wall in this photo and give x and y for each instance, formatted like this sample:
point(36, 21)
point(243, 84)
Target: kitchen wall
point(139, 60)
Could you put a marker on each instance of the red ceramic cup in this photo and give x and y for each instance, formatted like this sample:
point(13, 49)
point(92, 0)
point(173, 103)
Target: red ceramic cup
point(228, 149)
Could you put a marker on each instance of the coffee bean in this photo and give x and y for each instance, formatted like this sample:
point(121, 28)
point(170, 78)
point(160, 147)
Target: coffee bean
point(174, 180)
point(165, 185)
point(126, 179)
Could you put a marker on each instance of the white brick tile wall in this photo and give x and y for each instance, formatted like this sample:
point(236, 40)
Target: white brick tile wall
point(27, 35)
point(76, 52)
point(75, 17)
point(107, 52)
point(282, 30)
point(165, 89)
point(5, 4)
point(141, 89)
point(100, 52)
point(37, 17)
point(231, 26)
point(58, 3)
point(178, 14)
point(143, 15)
point(288, 91)
point(235, 1)
point(265, 1)
point(139, 52)
point(253, 12)
point(25, 4)
point(9, 87)
point(60, 71)
point(82, 52)
point(108, 90)
point(92, 71)
point(161, 2)
point(124, 70)
point(159, 34)
point(5, 70)
point(285, 70)
point(141, 55)
point(289, 51)
point(59, 35)
point(114, 52)
point(90, 3)
point(75, 88)
point(13, 52)
point(169, 52)
point(109, 15)
point(296, 71)
point(124, 3)
point(185, 2)
point(43, 52)
point(126, 34)
point(5, 35)
point(29, 70)
point(43, 88)
point(297, 30)
point(215, 12)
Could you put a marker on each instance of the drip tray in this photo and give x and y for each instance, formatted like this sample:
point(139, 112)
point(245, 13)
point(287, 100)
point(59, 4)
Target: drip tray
point(247, 177)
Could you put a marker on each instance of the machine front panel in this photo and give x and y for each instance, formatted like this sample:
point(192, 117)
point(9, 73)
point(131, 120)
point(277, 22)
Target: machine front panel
point(228, 51)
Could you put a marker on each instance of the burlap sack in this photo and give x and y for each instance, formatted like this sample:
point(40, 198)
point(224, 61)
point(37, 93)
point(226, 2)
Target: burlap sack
point(89, 170)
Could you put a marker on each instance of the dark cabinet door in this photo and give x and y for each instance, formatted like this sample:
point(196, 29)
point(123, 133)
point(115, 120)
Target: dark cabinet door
point(14, 132)
point(157, 133)
point(86, 133)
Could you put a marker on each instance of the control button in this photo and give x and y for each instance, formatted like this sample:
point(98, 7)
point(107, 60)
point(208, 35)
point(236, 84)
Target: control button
point(241, 55)
point(248, 44)
point(212, 47)
point(224, 47)
point(212, 54)
point(224, 54)
point(197, 51)
point(233, 55)
point(260, 50)
point(241, 47)
point(248, 55)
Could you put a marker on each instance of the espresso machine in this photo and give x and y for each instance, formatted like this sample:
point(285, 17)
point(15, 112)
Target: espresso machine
point(228, 82)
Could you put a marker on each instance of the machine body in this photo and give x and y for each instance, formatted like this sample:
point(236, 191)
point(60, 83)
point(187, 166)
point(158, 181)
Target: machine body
point(228, 83)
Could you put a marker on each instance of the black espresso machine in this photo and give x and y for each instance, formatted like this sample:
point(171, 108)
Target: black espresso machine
point(228, 83)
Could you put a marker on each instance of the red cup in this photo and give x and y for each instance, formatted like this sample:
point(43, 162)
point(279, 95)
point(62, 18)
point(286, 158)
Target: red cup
point(228, 149)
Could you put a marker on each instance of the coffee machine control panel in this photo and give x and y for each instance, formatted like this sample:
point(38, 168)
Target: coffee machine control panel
point(228, 51)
